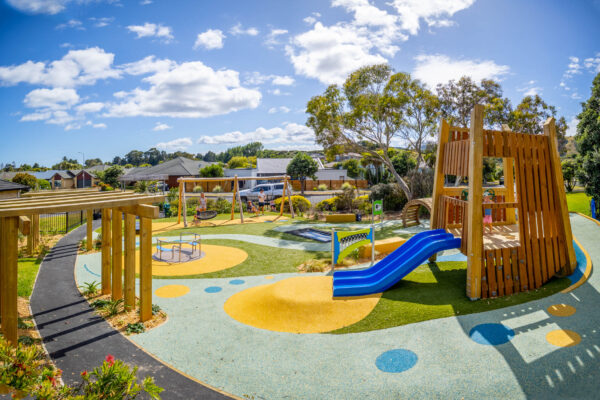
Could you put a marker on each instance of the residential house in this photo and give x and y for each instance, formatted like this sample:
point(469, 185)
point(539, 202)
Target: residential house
point(9, 190)
point(168, 171)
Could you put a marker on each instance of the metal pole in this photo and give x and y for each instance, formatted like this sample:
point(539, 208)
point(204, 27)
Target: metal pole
point(372, 244)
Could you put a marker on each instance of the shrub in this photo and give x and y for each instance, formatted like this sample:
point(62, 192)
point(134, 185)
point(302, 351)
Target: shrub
point(212, 171)
point(362, 204)
point(300, 203)
point(198, 189)
point(136, 327)
point(315, 265)
point(105, 187)
point(173, 195)
point(393, 197)
point(90, 288)
point(113, 307)
point(420, 183)
point(26, 179)
point(346, 186)
point(155, 309)
point(322, 187)
point(345, 200)
point(43, 184)
point(217, 189)
point(327, 204)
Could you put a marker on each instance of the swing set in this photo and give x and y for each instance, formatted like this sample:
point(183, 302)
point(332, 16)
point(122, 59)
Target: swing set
point(287, 194)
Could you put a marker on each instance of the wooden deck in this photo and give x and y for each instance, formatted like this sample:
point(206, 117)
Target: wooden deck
point(502, 237)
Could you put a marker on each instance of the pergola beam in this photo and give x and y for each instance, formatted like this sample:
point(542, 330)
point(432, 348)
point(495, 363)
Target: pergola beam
point(81, 205)
point(24, 225)
point(63, 200)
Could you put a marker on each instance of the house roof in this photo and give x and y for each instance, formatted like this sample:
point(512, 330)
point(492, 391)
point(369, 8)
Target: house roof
point(179, 166)
point(63, 174)
point(8, 185)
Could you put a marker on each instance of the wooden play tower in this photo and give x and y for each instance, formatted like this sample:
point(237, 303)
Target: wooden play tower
point(531, 238)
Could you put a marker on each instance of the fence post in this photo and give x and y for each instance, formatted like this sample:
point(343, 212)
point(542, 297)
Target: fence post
point(66, 222)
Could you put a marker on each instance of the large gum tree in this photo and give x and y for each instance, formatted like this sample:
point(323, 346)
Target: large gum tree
point(374, 108)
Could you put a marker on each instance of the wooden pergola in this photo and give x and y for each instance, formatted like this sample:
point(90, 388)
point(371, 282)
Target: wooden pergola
point(22, 215)
point(287, 192)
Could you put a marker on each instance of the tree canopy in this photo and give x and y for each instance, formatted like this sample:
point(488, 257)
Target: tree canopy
point(212, 171)
point(588, 128)
point(301, 167)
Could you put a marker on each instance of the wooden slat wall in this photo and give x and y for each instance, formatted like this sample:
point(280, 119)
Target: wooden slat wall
point(456, 158)
point(502, 274)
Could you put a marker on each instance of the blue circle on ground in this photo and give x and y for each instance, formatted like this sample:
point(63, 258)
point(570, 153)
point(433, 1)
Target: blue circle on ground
point(491, 334)
point(397, 360)
point(237, 282)
point(213, 289)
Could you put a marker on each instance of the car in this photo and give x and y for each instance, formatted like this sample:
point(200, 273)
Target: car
point(272, 190)
point(158, 187)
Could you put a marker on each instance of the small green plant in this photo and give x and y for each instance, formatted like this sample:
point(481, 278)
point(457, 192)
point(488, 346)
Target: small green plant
point(155, 309)
point(115, 380)
point(113, 307)
point(90, 288)
point(100, 303)
point(23, 324)
point(137, 327)
point(322, 187)
point(314, 266)
point(26, 340)
point(198, 189)
point(217, 189)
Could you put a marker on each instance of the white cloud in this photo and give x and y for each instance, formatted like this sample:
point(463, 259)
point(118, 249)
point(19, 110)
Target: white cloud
point(211, 39)
point(161, 127)
point(272, 39)
point(592, 64)
point(180, 144)
point(437, 68)
point(145, 2)
point(102, 22)
point(77, 67)
point(238, 30)
point(39, 6)
point(530, 89)
point(434, 12)
point(152, 30)
point(311, 19)
point(187, 90)
point(573, 68)
point(256, 78)
point(99, 126)
point(54, 99)
point(91, 107)
point(282, 109)
point(148, 65)
point(329, 54)
point(72, 23)
point(290, 134)
point(572, 127)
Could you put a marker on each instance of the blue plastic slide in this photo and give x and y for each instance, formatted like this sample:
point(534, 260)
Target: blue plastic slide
point(387, 272)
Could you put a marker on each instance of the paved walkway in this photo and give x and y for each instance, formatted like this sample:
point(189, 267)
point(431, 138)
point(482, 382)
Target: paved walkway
point(78, 340)
point(444, 358)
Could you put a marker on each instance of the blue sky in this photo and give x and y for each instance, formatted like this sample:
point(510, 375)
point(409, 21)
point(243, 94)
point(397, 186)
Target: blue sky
point(105, 77)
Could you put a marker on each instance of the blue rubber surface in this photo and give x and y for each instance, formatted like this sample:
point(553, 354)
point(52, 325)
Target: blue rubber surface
point(395, 266)
point(491, 334)
point(397, 360)
point(213, 289)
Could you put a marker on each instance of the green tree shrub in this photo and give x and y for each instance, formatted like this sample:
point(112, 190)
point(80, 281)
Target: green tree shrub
point(300, 203)
point(26, 179)
point(212, 171)
point(393, 198)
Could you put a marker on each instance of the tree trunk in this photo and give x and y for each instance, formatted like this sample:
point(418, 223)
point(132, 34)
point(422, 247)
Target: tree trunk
point(403, 186)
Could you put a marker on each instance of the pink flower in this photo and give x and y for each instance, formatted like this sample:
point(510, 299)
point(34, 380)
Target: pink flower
point(110, 360)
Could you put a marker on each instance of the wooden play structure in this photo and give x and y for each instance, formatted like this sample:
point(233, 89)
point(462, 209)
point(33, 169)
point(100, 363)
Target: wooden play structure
point(22, 215)
point(184, 182)
point(410, 212)
point(531, 239)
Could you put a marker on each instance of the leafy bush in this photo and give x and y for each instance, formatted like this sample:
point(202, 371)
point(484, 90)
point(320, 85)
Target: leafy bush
point(315, 265)
point(114, 380)
point(137, 327)
point(105, 187)
point(346, 186)
point(43, 184)
point(198, 189)
point(217, 189)
point(327, 204)
point(100, 303)
point(322, 187)
point(172, 195)
point(155, 309)
point(346, 198)
point(362, 204)
point(90, 288)
point(393, 197)
point(420, 183)
point(212, 171)
point(26, 179)
point(300, 203)
point(113, 307)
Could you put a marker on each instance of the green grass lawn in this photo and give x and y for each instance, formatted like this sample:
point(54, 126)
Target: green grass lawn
point(437, 290)
point(28, 269)
point(580, 202)
point(262, 260)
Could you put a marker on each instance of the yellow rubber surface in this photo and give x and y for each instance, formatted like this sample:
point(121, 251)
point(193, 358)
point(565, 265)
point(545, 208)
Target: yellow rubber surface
point(383, 246)
point(298, 305)
point(563, 338)
point(170, 291)
point(561, 310)
point(216, 258)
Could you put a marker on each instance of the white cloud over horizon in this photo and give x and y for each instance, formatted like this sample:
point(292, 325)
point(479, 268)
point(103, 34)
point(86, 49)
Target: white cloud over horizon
point(161, 127)
point(238, 30)
point(180, 144)
point(288, 133)
point(434, 69)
